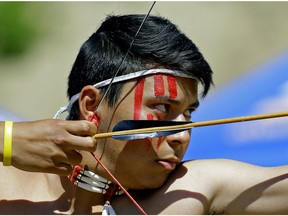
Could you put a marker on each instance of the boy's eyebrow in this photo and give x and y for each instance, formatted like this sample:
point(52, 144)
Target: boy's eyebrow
point(176, 102)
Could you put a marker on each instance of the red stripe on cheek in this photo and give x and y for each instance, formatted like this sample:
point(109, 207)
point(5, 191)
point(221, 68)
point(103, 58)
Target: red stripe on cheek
point(158, 85)
point(150, 117)
point(172, 86)
point(138, 96)
point(159, 139)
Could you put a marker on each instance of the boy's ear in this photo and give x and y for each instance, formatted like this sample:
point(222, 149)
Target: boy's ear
point(88, 101)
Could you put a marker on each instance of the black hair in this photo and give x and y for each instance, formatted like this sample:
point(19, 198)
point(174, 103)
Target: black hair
point(159, 43)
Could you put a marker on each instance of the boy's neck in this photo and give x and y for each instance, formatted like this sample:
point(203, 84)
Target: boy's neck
point(81, 201)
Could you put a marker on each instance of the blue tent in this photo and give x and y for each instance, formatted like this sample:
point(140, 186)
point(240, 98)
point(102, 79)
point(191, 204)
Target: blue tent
point(263, 142)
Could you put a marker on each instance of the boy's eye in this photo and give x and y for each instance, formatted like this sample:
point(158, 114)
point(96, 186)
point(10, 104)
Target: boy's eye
point(162, 107)
point(188, 112)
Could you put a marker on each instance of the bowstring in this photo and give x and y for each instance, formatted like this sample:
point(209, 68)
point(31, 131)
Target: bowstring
point(104, 95)
point(120, 185)
point(126, 54)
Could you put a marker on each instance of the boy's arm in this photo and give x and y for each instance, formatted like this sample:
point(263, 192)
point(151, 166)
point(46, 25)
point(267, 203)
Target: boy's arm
point(49, 145)
point(247, 189)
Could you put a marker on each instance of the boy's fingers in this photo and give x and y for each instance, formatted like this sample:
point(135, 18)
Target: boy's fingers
point(80, 143)
point(81, 128)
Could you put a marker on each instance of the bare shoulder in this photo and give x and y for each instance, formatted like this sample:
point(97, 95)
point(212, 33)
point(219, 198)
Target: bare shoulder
point(11, 178)
point(214, 186)
point(194, 185)
point(204, 169)
point(18, 184)
point(30, 193)
point(201, 173)
point(215, 172)
point(212, 167)
point(190, 189)
point(232, 184)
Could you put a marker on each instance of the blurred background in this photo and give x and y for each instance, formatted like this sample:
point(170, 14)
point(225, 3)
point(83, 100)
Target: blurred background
point(246, 44)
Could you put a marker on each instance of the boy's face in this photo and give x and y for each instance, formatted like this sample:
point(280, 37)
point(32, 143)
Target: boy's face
point(147, 163)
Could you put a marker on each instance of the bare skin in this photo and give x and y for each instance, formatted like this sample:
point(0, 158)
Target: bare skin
point(49, 145)
point(147, 167)
point(215, 189)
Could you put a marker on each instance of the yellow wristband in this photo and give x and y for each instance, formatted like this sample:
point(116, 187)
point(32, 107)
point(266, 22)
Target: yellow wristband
point(7, 145)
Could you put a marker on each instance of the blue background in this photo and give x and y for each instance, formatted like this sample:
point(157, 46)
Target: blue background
point(263, 142)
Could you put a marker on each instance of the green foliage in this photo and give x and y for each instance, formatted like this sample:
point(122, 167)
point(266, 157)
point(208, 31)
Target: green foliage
point(18, 28)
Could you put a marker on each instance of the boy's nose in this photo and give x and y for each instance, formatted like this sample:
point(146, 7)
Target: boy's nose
point(181, 138)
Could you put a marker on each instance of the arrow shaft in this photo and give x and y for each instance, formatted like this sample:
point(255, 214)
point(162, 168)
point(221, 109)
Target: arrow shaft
point(193, 124)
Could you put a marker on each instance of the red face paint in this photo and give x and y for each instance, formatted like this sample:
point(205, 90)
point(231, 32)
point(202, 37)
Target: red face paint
point(150, 117)
point(138, 96)
point(159, 85)
point(159, 90)
point(94, 118)
point(172, 86)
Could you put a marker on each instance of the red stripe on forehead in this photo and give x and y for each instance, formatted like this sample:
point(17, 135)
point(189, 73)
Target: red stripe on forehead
point(138, 96)
point(158, 85)
point(172, 86)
